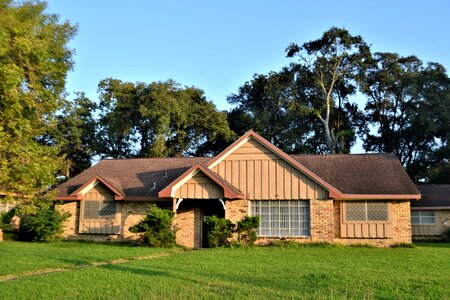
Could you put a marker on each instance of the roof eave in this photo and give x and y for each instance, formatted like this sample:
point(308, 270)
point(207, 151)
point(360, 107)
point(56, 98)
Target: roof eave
point(379, 197)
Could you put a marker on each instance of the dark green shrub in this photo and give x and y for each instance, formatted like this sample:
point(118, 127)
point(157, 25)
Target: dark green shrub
point(446, 235)
point(156, 227)
point(5, 220)
point(403, 245)
point(246, 230)
point(43, 225)
point(219, 231)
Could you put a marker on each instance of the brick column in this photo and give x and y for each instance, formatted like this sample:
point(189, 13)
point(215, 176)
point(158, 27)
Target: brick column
point(322, 224)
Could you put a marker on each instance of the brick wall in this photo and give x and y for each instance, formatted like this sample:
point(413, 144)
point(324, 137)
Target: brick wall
point(401, 226)
point(235, 210)
point(322, 223)
point(188, 224)
point(132, 213)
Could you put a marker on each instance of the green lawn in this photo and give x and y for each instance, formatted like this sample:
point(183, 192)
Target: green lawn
point(257, 273)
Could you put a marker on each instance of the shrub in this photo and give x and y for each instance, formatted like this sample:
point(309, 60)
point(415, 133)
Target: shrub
point(156, 227)
point(246, 230)
point(219, 231)
point(446, 235)
point(403, 245)
point(45, 224)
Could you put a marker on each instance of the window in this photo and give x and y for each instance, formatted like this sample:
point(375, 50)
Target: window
point(99, 210)
point(366, 211)
point(422, 217)
point(282, 218)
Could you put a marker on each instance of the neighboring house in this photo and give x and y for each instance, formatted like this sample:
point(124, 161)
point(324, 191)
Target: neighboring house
point(430, 216)
point(309, 198)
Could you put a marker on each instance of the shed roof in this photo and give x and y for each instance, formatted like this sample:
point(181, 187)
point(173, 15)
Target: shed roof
point(433, 195)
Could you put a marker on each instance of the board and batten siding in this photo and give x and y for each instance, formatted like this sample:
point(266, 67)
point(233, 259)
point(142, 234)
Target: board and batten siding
point(262, 175)
point(99, 192)
point(199, 187)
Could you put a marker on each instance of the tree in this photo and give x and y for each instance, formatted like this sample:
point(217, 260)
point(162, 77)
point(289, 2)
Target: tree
point(34, 61)
point(327, 73)
point(407, 111)
point(268, 105)
point(75, 134)
point(157, 119)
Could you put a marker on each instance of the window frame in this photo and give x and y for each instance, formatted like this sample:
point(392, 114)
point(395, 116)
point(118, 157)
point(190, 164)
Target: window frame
point(280, 229)
point(420, 217)
point(344, 213)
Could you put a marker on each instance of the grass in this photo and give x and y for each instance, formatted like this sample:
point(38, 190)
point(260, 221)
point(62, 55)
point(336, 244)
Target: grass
point(256, 273)
point(20, 257)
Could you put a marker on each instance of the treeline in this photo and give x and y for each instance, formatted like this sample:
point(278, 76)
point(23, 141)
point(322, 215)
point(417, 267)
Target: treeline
point(306, 107)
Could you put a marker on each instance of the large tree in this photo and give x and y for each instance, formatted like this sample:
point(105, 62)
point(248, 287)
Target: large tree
point(157, 119)
point(34, 61)
point(327, 71)
point(268, 104)
point(407, 111)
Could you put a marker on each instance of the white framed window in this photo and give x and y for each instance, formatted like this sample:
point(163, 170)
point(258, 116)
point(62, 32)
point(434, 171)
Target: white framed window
point(422, 217)
point(366, 211)
point(99, 210)
point(282, 218)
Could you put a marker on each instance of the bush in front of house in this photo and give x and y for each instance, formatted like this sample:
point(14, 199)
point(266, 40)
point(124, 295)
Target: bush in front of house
point(219, 231)
point(446, 235)
point(156, 227)
point(246, 230)
point(43, 225)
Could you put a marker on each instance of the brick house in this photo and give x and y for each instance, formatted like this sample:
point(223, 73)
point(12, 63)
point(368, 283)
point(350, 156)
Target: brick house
point(309, 198)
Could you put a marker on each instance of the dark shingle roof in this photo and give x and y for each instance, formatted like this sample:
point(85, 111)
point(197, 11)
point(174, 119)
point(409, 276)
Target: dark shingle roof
point(361, 173)
point(351, 174)
point(433, 195)
point(135, 177)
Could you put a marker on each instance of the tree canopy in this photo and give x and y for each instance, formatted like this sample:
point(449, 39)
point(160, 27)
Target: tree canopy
point(306, 106)
point(159, 119)
point(34, 61)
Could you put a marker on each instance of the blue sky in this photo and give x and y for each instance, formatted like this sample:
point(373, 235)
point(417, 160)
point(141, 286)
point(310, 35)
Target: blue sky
point(218, 45)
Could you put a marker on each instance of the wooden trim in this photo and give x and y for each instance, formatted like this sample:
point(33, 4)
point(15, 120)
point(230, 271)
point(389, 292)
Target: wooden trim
point(333, 192)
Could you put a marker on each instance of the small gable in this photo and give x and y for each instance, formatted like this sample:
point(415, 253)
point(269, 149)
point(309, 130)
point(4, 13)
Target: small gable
point(260, 173)
point(99, 192)
point(199, 186)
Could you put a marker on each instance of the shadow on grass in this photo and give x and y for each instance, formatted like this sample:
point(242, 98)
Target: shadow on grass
point(139, 271)
point(429, 244)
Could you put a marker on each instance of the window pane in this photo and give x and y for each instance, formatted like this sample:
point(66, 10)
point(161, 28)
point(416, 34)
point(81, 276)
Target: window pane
point(366, 211)
point(426, 213)
point(99, 210)
point(377, 211)
point(355, 211)
point(282, 218)
point(427, 220)
point(415, 219)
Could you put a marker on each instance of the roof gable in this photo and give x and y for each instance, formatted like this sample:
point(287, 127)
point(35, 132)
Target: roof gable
point(251, 135)
point(112, 185)
point(229, 191)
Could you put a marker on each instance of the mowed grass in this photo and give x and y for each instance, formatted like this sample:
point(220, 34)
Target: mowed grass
point(256, 273)
point(19, 257)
